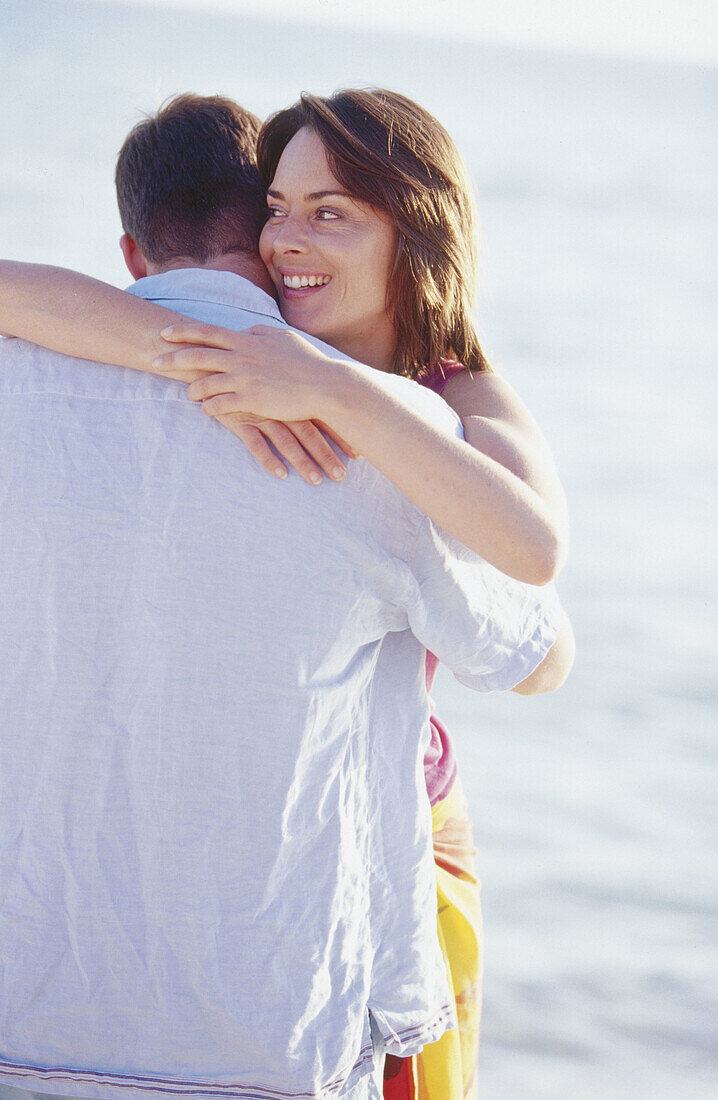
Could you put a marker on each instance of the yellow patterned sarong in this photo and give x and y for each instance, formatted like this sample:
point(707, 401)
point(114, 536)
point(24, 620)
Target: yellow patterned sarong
point(447, 1069)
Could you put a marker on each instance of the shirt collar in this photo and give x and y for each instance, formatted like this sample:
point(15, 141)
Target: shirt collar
point(201, 284)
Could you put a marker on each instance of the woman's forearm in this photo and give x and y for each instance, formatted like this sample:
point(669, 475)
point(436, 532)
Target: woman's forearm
point(471, 496)
point(77, 315)
point(483, 490)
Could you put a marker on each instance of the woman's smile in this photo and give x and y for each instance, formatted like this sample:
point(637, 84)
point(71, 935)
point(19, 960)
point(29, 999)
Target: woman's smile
point(297, 284)
point(329, 255)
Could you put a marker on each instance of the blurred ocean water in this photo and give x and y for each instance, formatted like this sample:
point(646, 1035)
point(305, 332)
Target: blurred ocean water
point(594, 809)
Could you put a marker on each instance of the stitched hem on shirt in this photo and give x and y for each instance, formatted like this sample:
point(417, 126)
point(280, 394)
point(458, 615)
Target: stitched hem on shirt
point(34, 1075)
point(410, 1040)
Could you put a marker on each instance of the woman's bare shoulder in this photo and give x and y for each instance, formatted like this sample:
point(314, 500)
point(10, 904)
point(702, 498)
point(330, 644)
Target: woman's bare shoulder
point(487, 394)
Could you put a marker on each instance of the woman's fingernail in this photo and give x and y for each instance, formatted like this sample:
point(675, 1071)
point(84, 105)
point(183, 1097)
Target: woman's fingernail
point(280, 471)
point(338, 473)
point(315, 478)
point(167, 331)
point(157, 362)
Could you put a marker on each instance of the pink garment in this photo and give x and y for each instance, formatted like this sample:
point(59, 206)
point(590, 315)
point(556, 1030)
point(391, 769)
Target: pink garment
point(439, 760)
point(437, 378)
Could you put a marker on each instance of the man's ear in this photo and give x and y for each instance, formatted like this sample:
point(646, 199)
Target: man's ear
point(134, 257)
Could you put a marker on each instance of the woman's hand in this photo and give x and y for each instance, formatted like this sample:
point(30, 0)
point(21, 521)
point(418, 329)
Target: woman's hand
point(271, 372)
point(300, 442)
point(267, 387)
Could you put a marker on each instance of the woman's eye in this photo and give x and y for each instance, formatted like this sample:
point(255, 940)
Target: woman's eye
point(327, 215)
point(275, 212)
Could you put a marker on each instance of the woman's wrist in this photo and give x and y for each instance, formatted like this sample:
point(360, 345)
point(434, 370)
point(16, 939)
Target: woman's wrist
point(347, 401)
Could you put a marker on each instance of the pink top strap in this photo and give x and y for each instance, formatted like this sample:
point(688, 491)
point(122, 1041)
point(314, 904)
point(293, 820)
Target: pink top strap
point(435, 378)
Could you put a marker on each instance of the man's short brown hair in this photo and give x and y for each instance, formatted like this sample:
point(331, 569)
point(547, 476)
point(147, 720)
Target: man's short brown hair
point(187, 181)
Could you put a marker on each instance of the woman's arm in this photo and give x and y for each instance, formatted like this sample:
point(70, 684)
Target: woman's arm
point(497, 423)
point(77, 315)
point(74, 314)
point(498, 492)
point(504, 500)
point(472, 495)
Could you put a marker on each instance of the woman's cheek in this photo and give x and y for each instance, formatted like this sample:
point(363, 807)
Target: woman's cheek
point(266, 248)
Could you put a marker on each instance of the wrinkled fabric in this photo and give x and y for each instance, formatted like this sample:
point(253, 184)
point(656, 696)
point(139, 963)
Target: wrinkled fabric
point(204, 673)
point(447, 1069)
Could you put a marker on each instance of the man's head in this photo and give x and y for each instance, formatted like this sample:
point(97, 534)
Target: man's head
point(188, 189)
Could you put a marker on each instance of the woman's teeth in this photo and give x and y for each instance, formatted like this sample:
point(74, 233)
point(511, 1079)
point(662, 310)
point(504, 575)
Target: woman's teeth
point(296, 282)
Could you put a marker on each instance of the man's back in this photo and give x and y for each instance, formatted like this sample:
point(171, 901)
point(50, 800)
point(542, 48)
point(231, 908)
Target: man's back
point(185, 866)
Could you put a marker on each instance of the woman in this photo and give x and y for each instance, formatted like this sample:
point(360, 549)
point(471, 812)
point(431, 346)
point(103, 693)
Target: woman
point(369, 244)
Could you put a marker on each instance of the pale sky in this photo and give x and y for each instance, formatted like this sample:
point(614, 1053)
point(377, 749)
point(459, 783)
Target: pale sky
point(680, 30)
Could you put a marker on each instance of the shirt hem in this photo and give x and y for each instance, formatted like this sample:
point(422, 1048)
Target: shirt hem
point(94, 1085)
point(406, 1041)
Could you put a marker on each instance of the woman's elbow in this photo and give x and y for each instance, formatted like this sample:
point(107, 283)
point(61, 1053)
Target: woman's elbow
point(550, 558)
point(544, 559)
point(560, 667)
point(553, 671)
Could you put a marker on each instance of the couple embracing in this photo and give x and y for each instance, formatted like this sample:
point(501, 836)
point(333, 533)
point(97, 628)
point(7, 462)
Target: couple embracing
point(235, 856)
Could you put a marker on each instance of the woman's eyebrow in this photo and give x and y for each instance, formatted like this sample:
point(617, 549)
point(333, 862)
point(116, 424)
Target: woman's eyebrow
point(323, 195)
point(311, 197)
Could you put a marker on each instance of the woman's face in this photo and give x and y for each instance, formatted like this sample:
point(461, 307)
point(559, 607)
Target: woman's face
point(328, 255)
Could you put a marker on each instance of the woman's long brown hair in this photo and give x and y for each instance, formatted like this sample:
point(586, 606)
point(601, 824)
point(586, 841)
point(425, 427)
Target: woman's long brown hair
point(389, 152)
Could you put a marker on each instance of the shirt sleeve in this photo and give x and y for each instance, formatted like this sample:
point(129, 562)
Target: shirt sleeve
point(490, 630)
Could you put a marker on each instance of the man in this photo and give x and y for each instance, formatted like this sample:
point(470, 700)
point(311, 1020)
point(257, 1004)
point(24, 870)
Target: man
point(203, 667)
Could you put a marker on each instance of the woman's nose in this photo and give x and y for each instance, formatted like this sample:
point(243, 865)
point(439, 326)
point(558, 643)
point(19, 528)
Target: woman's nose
point(290, 236)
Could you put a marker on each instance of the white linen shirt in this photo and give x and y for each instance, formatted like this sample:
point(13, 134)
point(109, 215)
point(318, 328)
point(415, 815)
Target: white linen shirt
point(211, 685)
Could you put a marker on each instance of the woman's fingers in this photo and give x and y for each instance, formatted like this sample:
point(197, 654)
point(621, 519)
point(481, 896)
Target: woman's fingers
point(291, 440)
point(316, 445)
point(212, 384)
point(224, 404)
point(194, 359)
point(196, 332)
point(255, 443)
point(346, 447)
point(268, 330)
point(299, 442)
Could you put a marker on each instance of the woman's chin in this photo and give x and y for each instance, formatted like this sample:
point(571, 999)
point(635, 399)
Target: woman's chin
point(303, 320)
point(315, 322)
